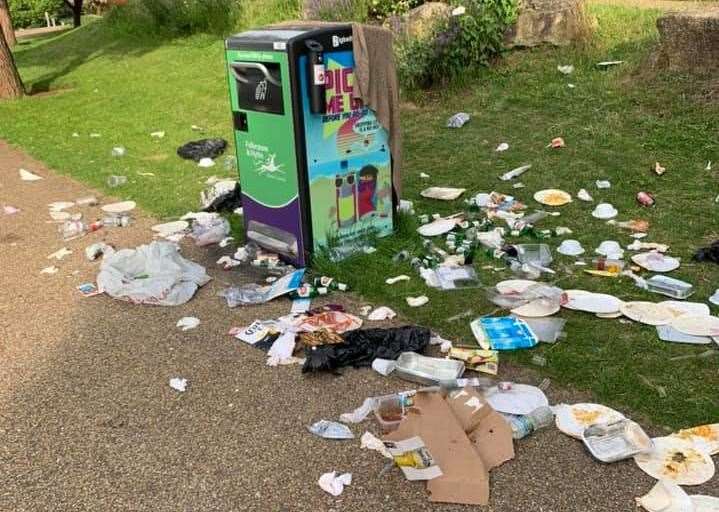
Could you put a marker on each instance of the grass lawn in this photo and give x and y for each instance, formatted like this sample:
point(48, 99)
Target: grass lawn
point(616, 123)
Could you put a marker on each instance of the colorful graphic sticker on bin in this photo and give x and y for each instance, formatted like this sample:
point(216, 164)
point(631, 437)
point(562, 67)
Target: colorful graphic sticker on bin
point(348, 160)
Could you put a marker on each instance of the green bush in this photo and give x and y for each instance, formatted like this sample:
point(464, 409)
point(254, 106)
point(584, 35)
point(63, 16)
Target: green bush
point(458, 43)
point(177, 17)
point(30, 13)
point(382, 9)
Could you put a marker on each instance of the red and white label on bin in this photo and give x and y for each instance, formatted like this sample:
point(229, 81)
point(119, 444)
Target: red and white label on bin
point(319, 74)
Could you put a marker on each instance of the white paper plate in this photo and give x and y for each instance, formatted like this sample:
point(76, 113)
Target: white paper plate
point(553, 197)
point(656, 262)
point(536, 309)
point(594, 303)
point(705, 437)
point(677, 461)
point(649, 313)
point(616, 314)
point(170, 228)
point(60, 205)
point(60, 215)
point(697, 325)
point(514, 286)
point(442, 193)
point(121, 207)
point(521, 399)
point(437, 227)
point(573, 419)
point(687, 308)
point(665, 497)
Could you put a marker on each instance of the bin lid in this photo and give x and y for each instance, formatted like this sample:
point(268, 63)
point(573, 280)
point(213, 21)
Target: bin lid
point(277, 37)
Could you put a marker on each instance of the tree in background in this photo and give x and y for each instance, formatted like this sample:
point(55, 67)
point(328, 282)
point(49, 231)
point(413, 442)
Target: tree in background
point(10, 83)
point(76, 6)
point(6, 24)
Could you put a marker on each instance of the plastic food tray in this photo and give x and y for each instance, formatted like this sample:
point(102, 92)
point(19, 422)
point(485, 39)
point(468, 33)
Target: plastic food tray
point(618, 440)
point(427, 370)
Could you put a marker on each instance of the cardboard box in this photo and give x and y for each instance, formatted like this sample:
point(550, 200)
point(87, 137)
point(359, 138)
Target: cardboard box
point(489, 432)
point(465, 478)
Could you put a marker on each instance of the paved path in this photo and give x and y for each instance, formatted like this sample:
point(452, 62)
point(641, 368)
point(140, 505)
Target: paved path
point(40, 31)
point(88, 421)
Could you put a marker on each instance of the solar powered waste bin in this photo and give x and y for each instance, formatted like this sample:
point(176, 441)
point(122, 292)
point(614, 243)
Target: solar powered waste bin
point(314, 162)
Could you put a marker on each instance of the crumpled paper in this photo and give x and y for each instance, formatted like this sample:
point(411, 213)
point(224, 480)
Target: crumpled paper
point(333, 484)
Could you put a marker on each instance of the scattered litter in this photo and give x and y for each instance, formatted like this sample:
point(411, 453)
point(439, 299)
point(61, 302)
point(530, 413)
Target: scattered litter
point(658, 169)
point(169, 229)
point(381, 313)
point(119, 208)
point(666, 497)
point(88, 289)
point(414, 459)
point(10, 210)
point(196, 128)
point(457, 120)
point(502, 147)
point(95, 135)
point(362, 346)
point(506, 333)
point(87, 201)
point(669, 286)
point(115, 181)
point(254, 294)
point(49, 270)
point(601, 184)
point(397, 279)
point(556, 143)
point(442, 193)
point(331, 430)
point(333, 321)
point(416, 302)
point(512, 398)
point(574, 419)
point(649, 313)
point(652, 246)
point(221, 196)
point(515, 173)
point(26, 175)
point(333, 484)
point(583, 195)
point(552, 197)
point(204, 148)
point(676, 460)
point(714, 299)
point(570, 247)
point(280, 353)
point(604, 211)
point(696, 325)
point(518, 185)
point(60, 254)
point(209, 230)
point(669, 333)
point(656, 261)
point(571, 86)
point(710, 253)
point(609, 63)
point(592, 302)
point(645, 199)
point(206, 163)
point(425, 370)
point(157, 135)
point(188, 322)
point(384, 366)
point(708, 166)
point(616, 440)
point(370, 442)
point(151, 274)
point(178, 384)
point(439, 226)
point(566, 69)
point(424, 175)
point(140, 173)
point(611, 249)
point(478, 360)
point(118, 151)
point(707, 436)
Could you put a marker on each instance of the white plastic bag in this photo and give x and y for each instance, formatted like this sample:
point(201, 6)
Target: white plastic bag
point(151, 274)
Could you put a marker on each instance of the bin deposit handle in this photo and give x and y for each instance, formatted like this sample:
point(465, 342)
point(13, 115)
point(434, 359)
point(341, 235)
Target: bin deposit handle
point(237, 68)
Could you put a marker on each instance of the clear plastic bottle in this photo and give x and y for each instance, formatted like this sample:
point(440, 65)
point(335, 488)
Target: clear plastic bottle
point(116, 221)
point(75, 229)
point(522, 426)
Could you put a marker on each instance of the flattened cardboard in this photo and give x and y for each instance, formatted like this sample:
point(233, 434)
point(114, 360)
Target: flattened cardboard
point(465, 478)
point(489, 432)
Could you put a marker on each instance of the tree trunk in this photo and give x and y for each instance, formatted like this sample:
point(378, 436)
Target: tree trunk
point(6, 24)
point(76, 6)
point(10, 83)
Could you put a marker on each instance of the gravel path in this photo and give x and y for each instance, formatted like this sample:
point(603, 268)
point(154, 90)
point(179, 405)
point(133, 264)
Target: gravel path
point(88, 421)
